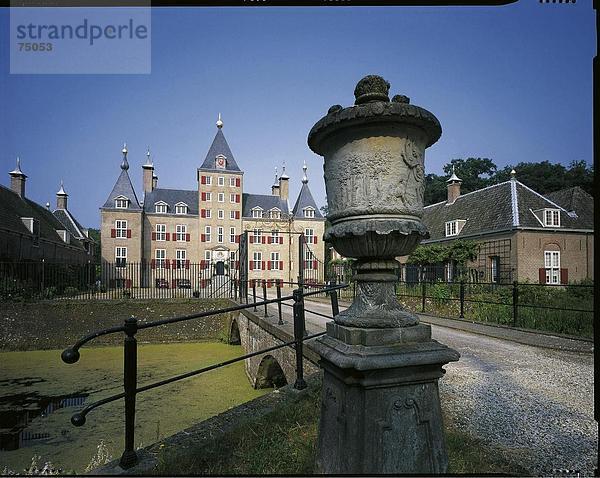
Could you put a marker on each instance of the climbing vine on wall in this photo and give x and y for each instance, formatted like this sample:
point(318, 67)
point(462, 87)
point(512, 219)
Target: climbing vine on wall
point(461, 251)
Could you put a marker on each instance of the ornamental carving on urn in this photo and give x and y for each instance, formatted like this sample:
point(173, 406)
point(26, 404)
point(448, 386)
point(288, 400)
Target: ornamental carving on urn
point(374, 156)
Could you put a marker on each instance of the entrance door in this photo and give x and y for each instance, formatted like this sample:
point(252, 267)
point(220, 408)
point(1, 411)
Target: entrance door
point(220, 268)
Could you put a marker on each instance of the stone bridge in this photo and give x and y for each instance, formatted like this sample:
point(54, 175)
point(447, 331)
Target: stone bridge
point(254, 333)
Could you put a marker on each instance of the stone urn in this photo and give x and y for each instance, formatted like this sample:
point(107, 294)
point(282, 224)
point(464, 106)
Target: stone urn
point(374, 156)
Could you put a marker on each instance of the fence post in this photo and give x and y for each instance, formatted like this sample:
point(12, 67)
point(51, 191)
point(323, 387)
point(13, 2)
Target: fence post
point(515, 304)
point(254, 294)
point(300, 384)
point(335, 308)
point(264, 288)
point(280, 321)
point(423, 287)
point(462, 299)
point(129, 457)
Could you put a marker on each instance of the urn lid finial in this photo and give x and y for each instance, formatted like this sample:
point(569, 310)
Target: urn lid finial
point(371, 88)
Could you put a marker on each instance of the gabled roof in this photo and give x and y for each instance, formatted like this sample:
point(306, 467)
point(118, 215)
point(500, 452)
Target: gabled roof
point(123, 187)
point(305, 199)
point(171, 197)
point(219, 146)
point(70, 223)
point(264, 201)
point(14, 208)
point(575, 200)
point(503, 206)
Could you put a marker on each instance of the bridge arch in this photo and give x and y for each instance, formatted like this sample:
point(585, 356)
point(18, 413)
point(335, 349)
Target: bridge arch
point(270, 374)
point(234, 333)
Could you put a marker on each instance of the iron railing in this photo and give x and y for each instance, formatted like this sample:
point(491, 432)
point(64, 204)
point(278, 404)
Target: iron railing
point(131, 326)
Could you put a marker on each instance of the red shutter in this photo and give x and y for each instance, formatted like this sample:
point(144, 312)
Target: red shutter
point(203, 197)
point(251, 265)
point(113, 233)
point(154, 236)
point(202, 179)
point(314, 264)
point(187, 263)
point(542, 273)
point(564, 276)
point(237, 264)
point(263, 239)
point(128, 283)
point(153, 263)
point(202, 237)
point(128, 233)
point(174, 237)
point(237, 198)
point(251, 239)
point(167, 264)
point(174, 264)
point(237, 214)
point(269, 240)
point(269, 264)
point(187, 237)
point(168, 236)
point(306, 264)
point(280, 265)
point(202, 212)
point(173, 283)
point(281, 240)
point(237, 182)
point(262, 265)
point(314, 239)
point(237, 239)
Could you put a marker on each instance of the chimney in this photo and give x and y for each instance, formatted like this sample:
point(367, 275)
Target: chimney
point(284, 185)
point(453, 187)
point(17, 180)
point(61, 198)
point(275, 187)
point(148, 175)
point(154, 182)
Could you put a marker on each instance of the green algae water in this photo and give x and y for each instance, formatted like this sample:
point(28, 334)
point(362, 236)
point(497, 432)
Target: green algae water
point(39, 393)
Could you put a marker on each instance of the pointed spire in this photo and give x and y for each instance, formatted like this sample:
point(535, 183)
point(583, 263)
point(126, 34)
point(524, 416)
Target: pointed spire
point(454, 178)
point(304, 178)
point(283, 173)
point(124, 164)
point(276, 183)
point(513, 174)
point(61, 191)
point(219, 122)
point(149, 162)
point(17, 171)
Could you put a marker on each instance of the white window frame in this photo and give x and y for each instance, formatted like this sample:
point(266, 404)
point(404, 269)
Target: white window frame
point(180, 258)
point(232, 182)
point(121, 232)
point(231, 214)
point(257, 259)
point(257, 213)
point(232, 235)
point(120, 256)
point(275, 236)
point(221, 181)
point(221, 214)
point(161, 208)
point(161, 232)
point(220, 232)
point(208, 213)
point(551, 218)
point(309, 232)
point(221, 197)
point(208, 196)
point(180, 232)
point(207, 234)
point(275, 213)
point(208, 181)
point(309, 257)
point(552, 266)
point(309, 212)
point(121, 202)
point(451, 228)
point(275, 261)
point(160, 258)
point(232, 255)
point(207, 255)
point(181, 209)
point(232, 198)
point(257, 236)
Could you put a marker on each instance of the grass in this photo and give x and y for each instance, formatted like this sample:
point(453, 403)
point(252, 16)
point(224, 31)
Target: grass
point(284, 443)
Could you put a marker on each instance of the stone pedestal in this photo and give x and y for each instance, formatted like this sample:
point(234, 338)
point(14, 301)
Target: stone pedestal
point(380, 407)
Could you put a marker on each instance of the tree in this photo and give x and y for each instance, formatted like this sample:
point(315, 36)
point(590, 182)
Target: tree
point(476, 173)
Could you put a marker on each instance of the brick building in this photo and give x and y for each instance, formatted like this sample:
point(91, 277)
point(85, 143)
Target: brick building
point(31, 232)
point(174, 230)
point(522, 235)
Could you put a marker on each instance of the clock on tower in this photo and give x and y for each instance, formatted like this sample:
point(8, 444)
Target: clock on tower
point(220, 161)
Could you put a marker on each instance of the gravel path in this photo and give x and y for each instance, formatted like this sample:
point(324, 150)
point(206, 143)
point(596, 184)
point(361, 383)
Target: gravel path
point(535, 403)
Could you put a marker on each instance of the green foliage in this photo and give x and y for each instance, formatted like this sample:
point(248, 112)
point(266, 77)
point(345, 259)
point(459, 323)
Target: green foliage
point(461, 251)
point(71, 291)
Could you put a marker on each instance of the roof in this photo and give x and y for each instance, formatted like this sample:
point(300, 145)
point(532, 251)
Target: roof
point(219, 146)
point(305, 199)
point(171, 197)
point(264, 201)
point(14, 208)
point(70, 223)
point(503, 206)
point(575, 200)
point(123, 187)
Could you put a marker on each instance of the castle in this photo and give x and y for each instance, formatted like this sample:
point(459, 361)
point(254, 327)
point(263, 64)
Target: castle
point(173, 231)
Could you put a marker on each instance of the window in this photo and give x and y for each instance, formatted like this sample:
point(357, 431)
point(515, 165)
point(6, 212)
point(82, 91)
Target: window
point(552, 217)
point(257, 212)
point(221, 214)
point(232, 181)
point(208, 180)
point(120, 256)
point(451, 228)
point(552, 266)
point(221, 181)
point(231, 214)
point(180, 257)
point(257, 262)
point(181, 209)
point(309, 212)
point(181, 232)
point(207, 234)
point(232, 198)
point(161, 232)
point(121, 228)
point(309, 235)
point(220, 235)
point(232, 235)
point(256, 236)
point(160, 208)
point(309, 260)
point(161, 256)
point(275, 239)
point(232, 255)
point(208, 197)
point(275, 214)
point(207, 255)
point(121, 203)
point(221, 197)
point(208, 213)
point(275, 261)
point(494, 268)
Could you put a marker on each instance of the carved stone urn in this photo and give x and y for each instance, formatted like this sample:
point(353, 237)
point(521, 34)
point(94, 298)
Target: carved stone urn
point(380, 403)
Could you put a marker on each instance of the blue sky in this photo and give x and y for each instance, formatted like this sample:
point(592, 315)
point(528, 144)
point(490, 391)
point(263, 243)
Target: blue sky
point(512, 83)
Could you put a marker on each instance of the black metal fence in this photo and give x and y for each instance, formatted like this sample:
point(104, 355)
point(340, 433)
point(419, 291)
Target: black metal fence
point(131, 327)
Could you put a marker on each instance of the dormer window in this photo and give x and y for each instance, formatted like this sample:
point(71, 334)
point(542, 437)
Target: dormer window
point(121, 202)
point(275, 213)
point(181, 208)
point(309, 212)
point(160, 207)
point(257, 212)
point(453, 228)
point(551, 218)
